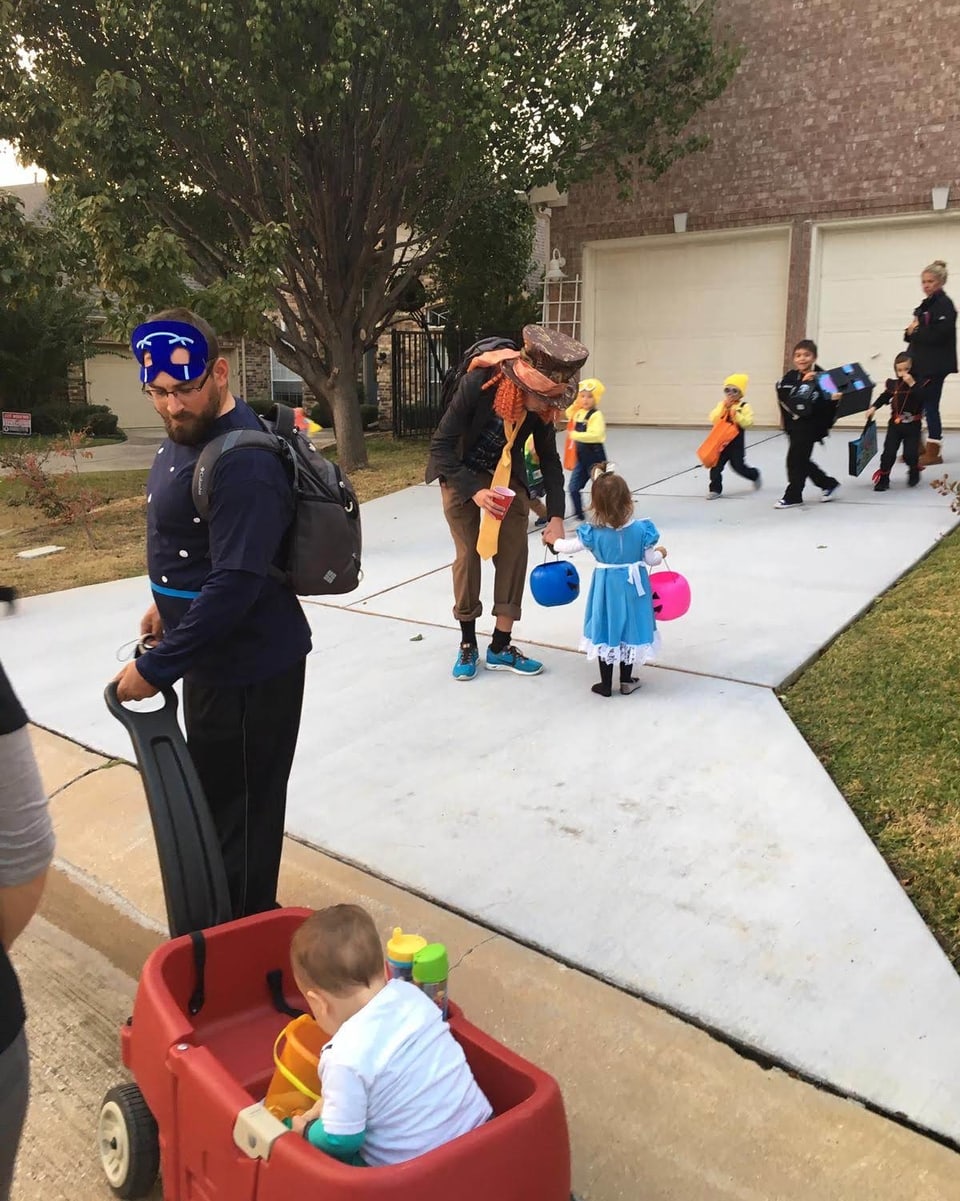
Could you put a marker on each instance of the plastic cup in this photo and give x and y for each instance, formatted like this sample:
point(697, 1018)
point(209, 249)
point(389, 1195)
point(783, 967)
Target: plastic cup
point(505, 496)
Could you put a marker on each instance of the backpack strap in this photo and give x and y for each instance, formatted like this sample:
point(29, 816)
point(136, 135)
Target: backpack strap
point(201, 487)
point(282, 422)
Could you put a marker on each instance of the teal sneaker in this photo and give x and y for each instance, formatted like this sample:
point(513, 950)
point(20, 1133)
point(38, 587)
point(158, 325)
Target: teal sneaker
point(465, 667)
point(511, 659)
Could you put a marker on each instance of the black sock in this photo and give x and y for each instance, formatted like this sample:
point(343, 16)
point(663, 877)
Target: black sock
point(605, 687)
point(468, 632)
point(500, 641)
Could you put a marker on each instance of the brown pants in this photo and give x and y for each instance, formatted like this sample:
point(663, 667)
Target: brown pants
point(510, 561)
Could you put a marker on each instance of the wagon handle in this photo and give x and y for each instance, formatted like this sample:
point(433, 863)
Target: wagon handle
point(191, 863)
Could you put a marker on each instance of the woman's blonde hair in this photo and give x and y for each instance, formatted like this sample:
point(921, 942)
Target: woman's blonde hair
point(610, 497)
point(938, 269)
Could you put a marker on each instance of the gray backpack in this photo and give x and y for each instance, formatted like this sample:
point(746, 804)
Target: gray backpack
point(321, 553)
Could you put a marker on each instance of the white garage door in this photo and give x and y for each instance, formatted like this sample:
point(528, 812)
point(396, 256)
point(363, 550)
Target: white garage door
point(113, 380)
point(668, 318)
point(866, 286)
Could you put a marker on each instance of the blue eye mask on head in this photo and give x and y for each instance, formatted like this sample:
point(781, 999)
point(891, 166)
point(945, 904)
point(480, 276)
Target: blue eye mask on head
point(154, 342)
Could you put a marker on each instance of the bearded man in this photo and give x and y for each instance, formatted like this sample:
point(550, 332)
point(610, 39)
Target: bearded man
point(220, 620)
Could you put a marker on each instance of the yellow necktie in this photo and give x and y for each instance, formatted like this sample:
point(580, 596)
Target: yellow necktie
point(489, 534)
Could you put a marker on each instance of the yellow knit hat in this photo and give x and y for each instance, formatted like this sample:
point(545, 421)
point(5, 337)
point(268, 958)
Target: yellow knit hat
point(738, 381)
point(594, 387)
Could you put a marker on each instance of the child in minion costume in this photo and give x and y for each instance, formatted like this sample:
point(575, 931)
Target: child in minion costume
point(587, 430)
point(733, 408)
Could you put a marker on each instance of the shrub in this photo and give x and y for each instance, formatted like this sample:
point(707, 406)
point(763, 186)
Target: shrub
point(63, 418)
point(321, 413)
point(97, 420)
point(260, 405)
point(50, 419)
point(369, 414)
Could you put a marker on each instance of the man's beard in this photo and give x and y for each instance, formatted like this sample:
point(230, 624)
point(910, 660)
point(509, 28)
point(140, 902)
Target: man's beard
point(190, 429)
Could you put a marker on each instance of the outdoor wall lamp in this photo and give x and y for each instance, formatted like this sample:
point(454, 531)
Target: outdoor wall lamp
point(940, 197)
point(554, 274)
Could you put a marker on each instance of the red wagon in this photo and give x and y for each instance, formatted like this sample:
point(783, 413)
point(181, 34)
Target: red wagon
point(199, 1045)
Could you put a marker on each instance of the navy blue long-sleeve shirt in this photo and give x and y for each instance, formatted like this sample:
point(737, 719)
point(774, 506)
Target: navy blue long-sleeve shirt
point(226, 620)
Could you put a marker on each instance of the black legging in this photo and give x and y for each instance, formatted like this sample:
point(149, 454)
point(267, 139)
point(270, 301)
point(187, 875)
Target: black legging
point(732, 453)
point(931, 406)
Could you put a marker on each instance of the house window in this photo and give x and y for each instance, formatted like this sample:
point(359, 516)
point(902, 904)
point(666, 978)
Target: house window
point(285, 385)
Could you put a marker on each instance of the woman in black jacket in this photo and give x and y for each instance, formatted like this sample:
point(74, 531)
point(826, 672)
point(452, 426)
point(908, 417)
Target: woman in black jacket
point(932, 336)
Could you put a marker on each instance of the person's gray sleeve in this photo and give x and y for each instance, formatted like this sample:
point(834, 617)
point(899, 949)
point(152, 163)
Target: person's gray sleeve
point(26, 832)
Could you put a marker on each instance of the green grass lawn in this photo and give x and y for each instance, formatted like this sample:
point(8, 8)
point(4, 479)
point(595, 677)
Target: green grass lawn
point(117, 521)
point(881, 710)
point(40, 442)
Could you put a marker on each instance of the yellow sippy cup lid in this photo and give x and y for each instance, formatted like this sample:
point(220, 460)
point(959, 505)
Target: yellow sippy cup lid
point(402, 947)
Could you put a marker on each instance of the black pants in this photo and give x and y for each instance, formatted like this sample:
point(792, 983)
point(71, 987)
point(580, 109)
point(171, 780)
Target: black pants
point(931, 407)
point(588, 455)
point(242, 741)
point(800, 467)
point(14, 1093)
point(733, 454)
point(907, 436)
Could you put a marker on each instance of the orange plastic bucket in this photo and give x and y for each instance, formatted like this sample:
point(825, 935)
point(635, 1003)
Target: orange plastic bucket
point(296, 1057)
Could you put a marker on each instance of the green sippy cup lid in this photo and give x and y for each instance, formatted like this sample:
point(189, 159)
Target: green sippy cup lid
point(430, 965)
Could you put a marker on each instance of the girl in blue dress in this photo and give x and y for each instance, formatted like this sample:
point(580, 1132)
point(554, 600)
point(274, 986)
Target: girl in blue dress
point(619, 627)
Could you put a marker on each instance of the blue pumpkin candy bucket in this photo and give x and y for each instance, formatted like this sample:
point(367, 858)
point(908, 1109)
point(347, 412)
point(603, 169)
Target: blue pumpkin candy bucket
point(556, 583)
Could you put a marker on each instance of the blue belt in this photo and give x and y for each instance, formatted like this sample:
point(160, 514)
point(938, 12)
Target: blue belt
point(177, 592)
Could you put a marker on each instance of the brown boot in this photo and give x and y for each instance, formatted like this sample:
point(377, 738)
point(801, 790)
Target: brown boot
point(931, 453)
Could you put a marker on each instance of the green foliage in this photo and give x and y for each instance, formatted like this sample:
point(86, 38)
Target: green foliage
point(481, 269)
point(275, 152)
point(96, 421)
point(43, 322)
point(322, 414)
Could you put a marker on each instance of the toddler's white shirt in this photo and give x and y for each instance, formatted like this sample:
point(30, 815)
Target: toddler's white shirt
point(395, 1071)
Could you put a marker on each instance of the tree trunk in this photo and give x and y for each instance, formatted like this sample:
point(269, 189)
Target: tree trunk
point(340, 390)
point(345, 405)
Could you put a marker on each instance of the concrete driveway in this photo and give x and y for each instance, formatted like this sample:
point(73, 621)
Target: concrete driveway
point(682, 843)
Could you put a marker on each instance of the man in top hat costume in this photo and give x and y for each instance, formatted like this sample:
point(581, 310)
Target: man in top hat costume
point(503, 398)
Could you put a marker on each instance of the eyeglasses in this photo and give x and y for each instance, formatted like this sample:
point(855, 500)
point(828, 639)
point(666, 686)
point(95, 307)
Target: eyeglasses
point(732, 391)
point(180, 393)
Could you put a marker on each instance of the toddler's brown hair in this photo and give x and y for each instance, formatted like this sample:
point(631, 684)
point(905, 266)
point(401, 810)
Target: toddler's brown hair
point(337, 950)
point(610, 497)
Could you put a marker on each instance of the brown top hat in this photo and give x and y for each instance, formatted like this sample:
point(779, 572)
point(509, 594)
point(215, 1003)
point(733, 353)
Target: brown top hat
point(551, 354)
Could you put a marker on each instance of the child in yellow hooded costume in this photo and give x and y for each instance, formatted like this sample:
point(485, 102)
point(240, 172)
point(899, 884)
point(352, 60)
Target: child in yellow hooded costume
point(733, 408)
point(588, 433)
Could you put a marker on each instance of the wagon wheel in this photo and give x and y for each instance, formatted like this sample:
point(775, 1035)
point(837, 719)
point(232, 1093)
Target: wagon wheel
point(128, 1142)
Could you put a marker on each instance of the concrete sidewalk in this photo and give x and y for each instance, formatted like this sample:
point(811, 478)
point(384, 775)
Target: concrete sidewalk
point(682, 843)
point(658, 1110)
point(721, 876)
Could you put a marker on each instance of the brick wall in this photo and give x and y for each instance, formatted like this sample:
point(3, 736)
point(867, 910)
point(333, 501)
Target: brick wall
point(257, 371)
point(840, 108)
